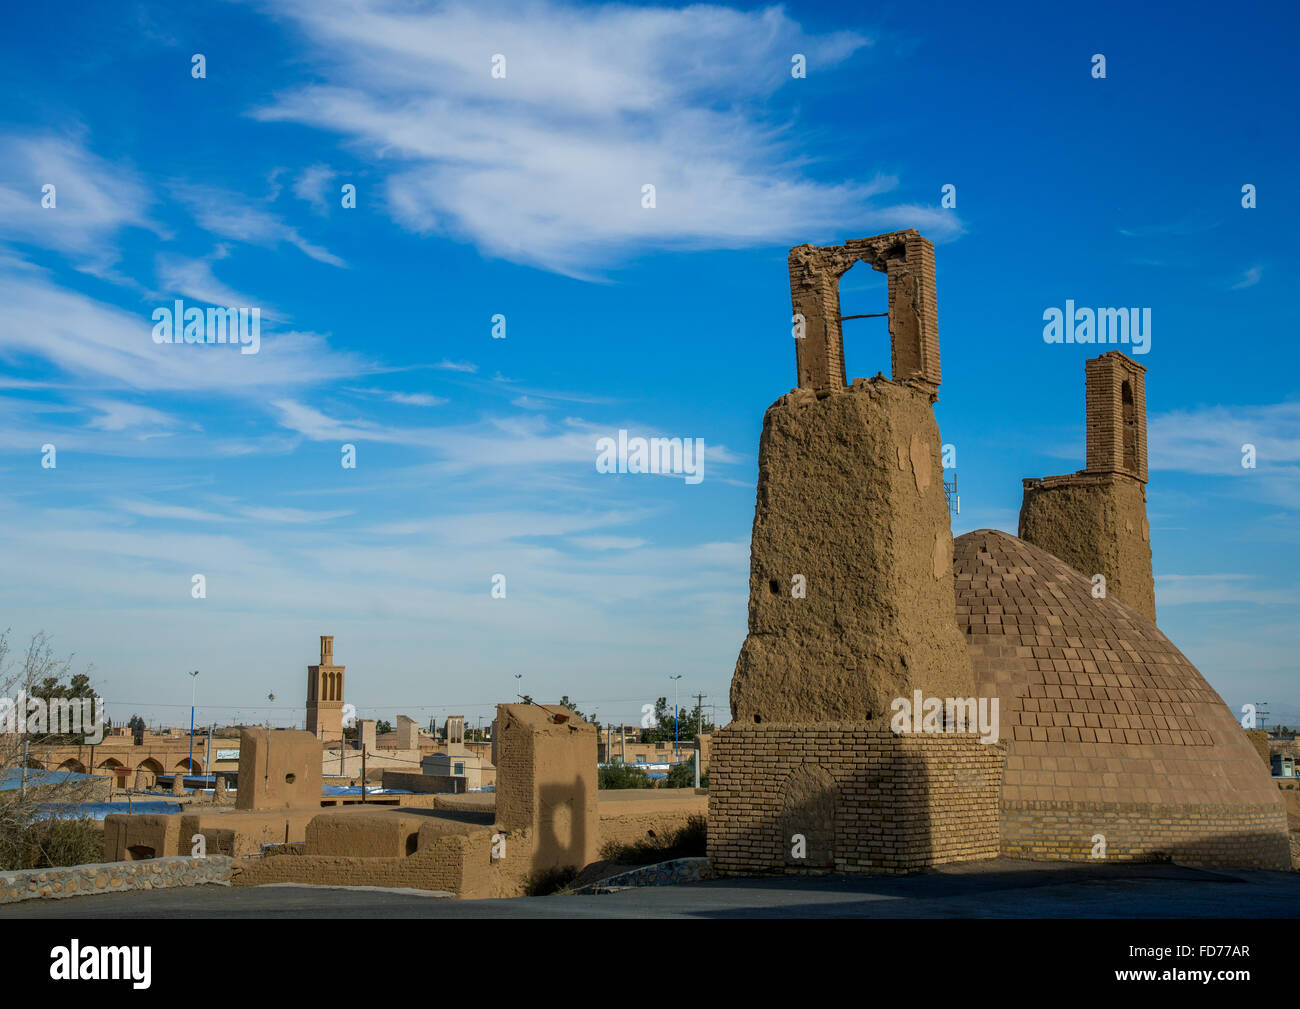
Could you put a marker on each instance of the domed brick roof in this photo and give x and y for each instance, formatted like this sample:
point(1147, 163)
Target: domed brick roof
point(1096, 704)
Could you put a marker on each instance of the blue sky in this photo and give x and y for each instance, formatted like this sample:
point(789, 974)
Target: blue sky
point(521, 196)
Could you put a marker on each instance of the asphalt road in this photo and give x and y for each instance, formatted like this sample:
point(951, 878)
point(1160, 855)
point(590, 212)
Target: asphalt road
point(996, 889)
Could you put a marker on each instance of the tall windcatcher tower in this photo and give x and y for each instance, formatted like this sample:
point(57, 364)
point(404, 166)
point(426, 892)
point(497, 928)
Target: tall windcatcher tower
point(1096, 519)
point(852, 610)
point(325, 694)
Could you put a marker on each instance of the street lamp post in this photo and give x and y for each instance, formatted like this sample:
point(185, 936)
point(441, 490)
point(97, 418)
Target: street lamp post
point(194, 684)
point(677, 747)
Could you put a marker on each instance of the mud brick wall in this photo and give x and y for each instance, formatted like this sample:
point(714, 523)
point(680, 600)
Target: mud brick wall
point(1194, 834)
point(459, 864)
point(865, 799)
point(850, 496)
point(446, 862)
point(1097, 524)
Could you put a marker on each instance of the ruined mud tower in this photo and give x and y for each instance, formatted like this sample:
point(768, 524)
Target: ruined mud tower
point(851, 605)
point(1096, 520)
point(850, 586)
point(858, 597)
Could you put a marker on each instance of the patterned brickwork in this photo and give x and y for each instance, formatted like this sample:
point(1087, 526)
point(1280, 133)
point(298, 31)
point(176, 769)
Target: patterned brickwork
point(907, 259)
point(1210, 835)
point(1116, 416)
point(865, 799)
point(1101, 712)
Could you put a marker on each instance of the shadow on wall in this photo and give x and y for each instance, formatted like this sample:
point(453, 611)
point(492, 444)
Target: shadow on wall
point(563, 815)
point(853, 797)
point(877, 818)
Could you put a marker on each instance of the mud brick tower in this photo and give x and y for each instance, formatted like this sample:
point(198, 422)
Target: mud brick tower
point(1096, 520)
point(851, 606)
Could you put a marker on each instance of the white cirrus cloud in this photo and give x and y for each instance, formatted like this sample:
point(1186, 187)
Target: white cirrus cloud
point(89, 339)
point(236, 217)
point(1249, 278)
point(546, 165)
point(93, 199)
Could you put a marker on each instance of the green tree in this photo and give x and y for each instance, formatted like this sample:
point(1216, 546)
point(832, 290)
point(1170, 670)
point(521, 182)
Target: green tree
point(573, 706)
point(382, 726)
point(682, 775)
point(665, 729)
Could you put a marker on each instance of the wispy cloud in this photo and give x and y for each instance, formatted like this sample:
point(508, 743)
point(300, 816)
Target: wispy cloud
point(185, 277)
point(1215, 441)
point(546, 165)
point(89, 339)
point(1248, 279)
point(310, 186)
point(415, 399)
point(1195, 224)
point(93, 200)
point(1182, 590)
point(234, 216)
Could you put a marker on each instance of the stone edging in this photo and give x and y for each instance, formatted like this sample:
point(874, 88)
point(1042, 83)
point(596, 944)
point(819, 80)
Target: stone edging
point(113, 877)
point(678, 870)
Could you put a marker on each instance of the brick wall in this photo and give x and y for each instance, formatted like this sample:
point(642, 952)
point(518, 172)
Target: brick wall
point(1111, 428)
point(1199, 834)
point(908, 260)
point(864, 799)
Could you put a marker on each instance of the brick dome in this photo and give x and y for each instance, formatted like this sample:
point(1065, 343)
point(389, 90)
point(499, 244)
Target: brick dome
point(1109, 728)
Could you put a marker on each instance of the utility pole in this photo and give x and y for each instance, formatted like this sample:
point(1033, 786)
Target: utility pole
point(699, 718)
point(363, 771)
point(194, 685)
point(677, 735)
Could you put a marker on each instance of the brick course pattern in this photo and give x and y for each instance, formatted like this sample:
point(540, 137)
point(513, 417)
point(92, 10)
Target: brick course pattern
point(865, 799)
point(1110, 729)
point(1193, 834)
point(908, 261)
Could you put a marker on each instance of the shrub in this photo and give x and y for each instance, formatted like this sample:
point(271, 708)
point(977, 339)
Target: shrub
point(623, 776)
point(690, 839)
point(46, 844)
point(544, 882)
point(683, 776)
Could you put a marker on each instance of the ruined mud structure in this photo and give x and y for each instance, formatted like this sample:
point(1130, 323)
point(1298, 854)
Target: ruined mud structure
point(1096, 520)
point(859, 597)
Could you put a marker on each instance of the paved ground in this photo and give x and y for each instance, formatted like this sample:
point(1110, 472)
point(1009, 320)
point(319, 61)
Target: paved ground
point(996, 889)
